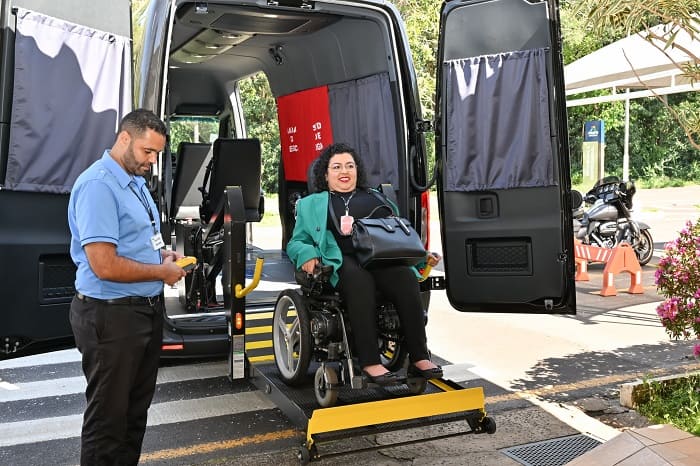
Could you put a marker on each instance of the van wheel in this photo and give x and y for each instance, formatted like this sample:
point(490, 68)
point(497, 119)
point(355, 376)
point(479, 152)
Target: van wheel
point(291, 337)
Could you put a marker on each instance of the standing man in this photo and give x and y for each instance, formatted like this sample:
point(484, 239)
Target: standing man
point(117, 311)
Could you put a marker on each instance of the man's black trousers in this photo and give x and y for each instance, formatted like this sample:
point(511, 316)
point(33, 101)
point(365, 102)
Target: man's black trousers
point(120, 345)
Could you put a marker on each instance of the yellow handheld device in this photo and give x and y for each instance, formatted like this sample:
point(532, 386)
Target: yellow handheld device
point(187, 263)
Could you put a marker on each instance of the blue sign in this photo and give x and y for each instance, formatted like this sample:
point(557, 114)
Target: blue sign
point(594, 131)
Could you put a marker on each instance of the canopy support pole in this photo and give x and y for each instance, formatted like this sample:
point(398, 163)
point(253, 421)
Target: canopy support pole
point(626, 153)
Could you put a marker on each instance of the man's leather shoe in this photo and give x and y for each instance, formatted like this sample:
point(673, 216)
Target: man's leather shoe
point(433, 373)
point(388, 378)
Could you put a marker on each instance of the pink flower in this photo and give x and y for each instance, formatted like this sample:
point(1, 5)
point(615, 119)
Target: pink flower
point(668, 309)
point(696, 351)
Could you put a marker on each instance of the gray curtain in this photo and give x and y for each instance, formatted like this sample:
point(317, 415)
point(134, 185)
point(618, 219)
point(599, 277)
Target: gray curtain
point(497, 122)
point(72, 85)
point(362, 115)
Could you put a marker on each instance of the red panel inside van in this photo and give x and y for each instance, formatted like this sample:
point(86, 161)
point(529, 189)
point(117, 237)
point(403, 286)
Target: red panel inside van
point(305, 129)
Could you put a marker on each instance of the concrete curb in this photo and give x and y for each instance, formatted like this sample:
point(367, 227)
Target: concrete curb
point(633, 392)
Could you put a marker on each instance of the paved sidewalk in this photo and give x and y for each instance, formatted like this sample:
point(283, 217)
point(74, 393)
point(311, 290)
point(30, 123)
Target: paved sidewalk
point(661, 445)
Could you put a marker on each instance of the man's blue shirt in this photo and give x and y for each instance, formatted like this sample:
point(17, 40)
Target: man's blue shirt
point(104, 207)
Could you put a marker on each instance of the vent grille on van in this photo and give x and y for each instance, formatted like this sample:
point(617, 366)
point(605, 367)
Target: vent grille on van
point(56, 279)
point(510, 257)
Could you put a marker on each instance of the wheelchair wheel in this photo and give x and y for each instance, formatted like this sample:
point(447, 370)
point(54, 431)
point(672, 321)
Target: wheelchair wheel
point(391, 353)
point(326, 395)
point(291, 337)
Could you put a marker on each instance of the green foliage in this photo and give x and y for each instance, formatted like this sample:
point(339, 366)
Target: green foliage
point(138, 20)
point(260, 110)
point(662, 147)
point(674, 402)
point(192, 130)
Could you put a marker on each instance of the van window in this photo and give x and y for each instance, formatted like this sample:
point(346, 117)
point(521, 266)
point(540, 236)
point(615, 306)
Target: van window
point(193, 129)
point(260, 114)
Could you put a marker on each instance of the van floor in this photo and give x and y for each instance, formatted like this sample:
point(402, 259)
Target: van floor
point(277, 275)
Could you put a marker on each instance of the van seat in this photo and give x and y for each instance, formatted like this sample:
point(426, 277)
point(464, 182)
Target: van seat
point(235, 162)
point(189, 177)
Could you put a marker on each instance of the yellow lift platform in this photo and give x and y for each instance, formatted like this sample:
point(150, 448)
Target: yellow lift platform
point(360, 411)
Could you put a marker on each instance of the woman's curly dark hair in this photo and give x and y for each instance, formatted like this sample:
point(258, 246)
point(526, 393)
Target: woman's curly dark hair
point(321, 166)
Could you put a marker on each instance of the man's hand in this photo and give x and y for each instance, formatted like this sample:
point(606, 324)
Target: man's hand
point(172, 272)
point(174, 254)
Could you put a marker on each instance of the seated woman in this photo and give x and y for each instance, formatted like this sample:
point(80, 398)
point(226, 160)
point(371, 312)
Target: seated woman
point(340, 179)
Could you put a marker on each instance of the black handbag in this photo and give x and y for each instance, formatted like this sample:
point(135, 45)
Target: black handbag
point(385, 241)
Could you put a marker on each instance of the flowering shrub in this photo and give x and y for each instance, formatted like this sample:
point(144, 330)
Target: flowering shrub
point(678, 280)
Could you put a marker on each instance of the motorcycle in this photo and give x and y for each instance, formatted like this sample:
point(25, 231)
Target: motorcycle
point(608, 222)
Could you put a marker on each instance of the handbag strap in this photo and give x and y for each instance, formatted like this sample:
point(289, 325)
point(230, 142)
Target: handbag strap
point(385, 203)
point(334, 217)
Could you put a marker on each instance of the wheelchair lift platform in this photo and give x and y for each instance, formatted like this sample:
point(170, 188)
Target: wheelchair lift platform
point(372, 410)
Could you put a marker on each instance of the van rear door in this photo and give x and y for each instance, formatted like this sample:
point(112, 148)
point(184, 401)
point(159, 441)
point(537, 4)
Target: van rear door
point(502, 155)
point(65, 82)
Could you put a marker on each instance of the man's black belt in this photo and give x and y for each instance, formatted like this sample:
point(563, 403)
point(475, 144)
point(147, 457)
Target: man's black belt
point(126, 300)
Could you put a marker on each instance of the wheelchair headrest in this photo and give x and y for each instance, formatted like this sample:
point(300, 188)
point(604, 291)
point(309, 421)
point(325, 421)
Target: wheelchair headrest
point(310, 178)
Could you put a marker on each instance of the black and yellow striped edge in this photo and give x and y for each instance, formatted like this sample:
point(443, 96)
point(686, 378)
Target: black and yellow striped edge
point(394, 410)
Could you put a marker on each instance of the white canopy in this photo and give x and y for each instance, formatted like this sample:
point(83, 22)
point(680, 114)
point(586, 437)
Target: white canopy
point(640, 65)
point(635, 63)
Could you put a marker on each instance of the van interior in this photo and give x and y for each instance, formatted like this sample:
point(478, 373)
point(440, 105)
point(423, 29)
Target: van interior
point(333, 73)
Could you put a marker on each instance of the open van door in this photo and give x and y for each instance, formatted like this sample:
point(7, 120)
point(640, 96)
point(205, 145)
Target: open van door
point(65, 83)
point(502, 157)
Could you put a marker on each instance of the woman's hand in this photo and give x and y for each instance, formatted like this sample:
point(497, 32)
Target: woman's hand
point(309, 265)
point(433, 259)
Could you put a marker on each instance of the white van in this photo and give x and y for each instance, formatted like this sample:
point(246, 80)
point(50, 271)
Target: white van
point(339, 71)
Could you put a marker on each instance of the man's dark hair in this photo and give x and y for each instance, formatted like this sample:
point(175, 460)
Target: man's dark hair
point(139, 120)
point(321, 166)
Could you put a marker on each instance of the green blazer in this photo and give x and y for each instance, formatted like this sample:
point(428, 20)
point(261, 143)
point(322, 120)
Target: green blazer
point(312, 239)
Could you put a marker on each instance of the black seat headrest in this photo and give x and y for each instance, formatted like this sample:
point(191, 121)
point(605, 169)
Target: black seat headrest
point(235, 162)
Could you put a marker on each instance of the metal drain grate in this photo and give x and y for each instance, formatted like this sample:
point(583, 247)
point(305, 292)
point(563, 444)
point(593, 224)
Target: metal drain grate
point(555, 452)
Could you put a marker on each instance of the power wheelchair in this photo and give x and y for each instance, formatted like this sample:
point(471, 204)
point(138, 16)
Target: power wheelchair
point(310, 324)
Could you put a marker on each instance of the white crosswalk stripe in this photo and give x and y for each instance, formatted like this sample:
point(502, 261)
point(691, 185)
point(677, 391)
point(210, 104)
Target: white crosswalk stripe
point(40, 430)
point(17, 396)
point(70, 385)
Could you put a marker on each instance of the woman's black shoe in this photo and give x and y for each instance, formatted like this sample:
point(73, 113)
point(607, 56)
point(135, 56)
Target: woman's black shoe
point(388, 378)
point(433, 373)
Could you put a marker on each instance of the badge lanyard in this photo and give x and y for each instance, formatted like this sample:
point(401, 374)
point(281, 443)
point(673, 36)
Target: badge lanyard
point(145, 204)
point(346, 220)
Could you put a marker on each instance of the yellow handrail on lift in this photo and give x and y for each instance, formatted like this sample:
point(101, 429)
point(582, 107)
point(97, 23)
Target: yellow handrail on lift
point(240, 291)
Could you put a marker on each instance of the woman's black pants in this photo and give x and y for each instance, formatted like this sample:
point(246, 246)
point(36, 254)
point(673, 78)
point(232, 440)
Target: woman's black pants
point(398, 284)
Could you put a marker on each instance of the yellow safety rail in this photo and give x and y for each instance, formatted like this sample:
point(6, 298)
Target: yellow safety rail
point(240, 291)
point(393, 410)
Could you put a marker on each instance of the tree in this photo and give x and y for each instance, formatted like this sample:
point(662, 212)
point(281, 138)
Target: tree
point(640, 17)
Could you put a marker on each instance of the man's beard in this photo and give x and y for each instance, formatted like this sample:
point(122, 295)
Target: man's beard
point(133, 167)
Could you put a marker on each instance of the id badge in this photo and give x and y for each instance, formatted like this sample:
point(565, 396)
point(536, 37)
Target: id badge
point(157, 241)
point(346, 224)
